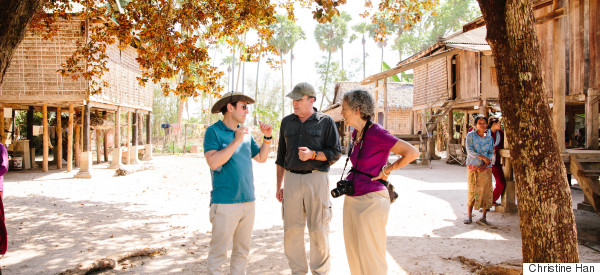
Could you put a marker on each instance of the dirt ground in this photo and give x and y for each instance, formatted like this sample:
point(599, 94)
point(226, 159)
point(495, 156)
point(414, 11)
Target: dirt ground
point(56, 222)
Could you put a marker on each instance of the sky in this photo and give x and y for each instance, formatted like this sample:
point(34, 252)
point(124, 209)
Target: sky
point(307, 52)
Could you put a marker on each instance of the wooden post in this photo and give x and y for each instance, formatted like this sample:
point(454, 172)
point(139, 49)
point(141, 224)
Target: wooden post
point(412, 122)
point(128, 161)
point(184, 137)
point(559, 76)
point(118, 129)
point(105, 138)
point(385, 103)
point(450, 132)
point(45, 137)
point(2, 135)
point(148, 128)
point(70, 139)
point(376, 118)
point(134, 129)
point(77, 144)
point(86, 128)
point(59, 149)
point(98, 147)
point(116, 153)
point(591, 119)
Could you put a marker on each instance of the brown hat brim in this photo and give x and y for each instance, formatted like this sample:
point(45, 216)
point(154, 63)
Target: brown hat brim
point(222, 102)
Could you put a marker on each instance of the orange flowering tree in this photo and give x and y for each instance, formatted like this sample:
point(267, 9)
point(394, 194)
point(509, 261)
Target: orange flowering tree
point(172, 37)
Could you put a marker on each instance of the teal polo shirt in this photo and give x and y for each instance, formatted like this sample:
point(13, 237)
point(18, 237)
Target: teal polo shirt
point(233, 182)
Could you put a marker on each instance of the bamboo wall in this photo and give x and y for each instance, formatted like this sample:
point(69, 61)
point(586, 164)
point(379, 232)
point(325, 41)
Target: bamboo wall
point(124, 88)
point(33, 74)
point(429, 84)
point(399, 121)
point(32, 77)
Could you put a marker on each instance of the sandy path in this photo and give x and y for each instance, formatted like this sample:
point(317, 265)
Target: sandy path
point(56, 222)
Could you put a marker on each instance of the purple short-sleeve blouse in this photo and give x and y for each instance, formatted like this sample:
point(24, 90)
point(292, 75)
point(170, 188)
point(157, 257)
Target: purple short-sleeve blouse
point(373, 155)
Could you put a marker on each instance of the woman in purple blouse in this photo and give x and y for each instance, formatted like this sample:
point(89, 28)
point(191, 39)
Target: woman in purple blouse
point(366, 211)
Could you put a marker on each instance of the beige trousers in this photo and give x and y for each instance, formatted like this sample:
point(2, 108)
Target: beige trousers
point(306, 200)
point(365, 218)
point(230, 222)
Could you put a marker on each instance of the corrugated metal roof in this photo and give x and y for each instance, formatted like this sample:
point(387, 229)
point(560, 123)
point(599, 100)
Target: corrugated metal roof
point(473, 40)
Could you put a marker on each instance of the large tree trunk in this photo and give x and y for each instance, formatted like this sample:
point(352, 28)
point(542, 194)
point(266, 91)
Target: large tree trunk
point(15, 16)
point(545, 209)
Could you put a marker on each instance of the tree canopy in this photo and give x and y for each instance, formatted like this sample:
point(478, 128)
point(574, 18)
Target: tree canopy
point(171, 35)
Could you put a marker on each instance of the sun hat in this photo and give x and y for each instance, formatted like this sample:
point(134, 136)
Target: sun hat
point(229, 98)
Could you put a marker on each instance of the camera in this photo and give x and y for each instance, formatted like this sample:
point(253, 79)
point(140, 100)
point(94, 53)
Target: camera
point(344, 187)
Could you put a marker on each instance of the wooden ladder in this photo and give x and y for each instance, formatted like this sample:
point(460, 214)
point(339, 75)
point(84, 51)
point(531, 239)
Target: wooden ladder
point(439, 113)
point(587, 176)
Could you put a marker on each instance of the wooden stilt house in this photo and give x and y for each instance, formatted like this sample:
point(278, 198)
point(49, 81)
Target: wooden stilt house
point(458, 74)
point(33, 83)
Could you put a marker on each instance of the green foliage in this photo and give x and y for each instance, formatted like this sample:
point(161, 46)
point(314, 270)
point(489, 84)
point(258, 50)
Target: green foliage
point(336, 74)
point(395, 77)
point(285, 34)
point(446, 19)
point(164, 110)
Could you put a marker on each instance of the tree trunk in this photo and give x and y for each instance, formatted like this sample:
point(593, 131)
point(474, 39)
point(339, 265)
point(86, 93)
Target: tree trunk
point(325, 82)
point(180, 112)
point(364, 56)
point(282, 88)
point(545, 209)
point(15, 16)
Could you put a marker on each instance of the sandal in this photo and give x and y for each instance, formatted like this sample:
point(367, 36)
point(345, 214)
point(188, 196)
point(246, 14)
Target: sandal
point(468, 221)
point(483, 221)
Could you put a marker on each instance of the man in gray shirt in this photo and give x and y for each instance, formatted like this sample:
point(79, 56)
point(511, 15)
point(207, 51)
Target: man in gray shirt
point(309, 144)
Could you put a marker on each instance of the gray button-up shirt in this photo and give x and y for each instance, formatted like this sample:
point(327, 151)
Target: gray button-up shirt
point(318, 133)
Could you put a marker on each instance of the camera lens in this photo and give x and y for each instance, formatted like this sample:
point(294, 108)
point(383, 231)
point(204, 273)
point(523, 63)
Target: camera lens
point(335, 193)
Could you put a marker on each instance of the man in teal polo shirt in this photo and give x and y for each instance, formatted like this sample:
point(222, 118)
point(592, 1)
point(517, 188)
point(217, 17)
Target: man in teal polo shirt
point(229, 150)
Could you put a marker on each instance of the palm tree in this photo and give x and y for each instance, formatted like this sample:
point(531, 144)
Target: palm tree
point(390, 28)
point(286, 34)
point(362, 28)
point(330, 36)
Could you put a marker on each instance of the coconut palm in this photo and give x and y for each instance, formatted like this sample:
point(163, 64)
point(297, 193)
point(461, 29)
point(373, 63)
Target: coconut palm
point(286, 34)
point(362, 29)
point(331, 37)
point(390, 28)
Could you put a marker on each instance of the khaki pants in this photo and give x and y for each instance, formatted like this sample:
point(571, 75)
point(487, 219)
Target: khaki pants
point(306, 199)
point(365, 218)
point(230, 222)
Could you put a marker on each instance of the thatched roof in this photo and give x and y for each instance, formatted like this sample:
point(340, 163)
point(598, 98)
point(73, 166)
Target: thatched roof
point(399, 96)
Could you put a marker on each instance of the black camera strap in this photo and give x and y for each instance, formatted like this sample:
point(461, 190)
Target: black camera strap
point(364, 132)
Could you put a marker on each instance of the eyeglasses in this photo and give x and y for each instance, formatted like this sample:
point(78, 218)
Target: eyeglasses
point(245, 107)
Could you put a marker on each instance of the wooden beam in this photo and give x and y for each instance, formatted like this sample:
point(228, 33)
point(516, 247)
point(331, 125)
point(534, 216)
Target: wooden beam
point(408, 66)
point(591, 188)
point(559, 79)
point(45, 138)
point(538, 4)
point(70, 139)
point(555, 14)
point(591, 120)
point(59, 148)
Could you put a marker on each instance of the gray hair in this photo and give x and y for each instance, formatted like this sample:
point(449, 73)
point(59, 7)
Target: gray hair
point(362, 101)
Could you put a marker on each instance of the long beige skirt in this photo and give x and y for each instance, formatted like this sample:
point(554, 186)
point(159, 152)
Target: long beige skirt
point(480, 188)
